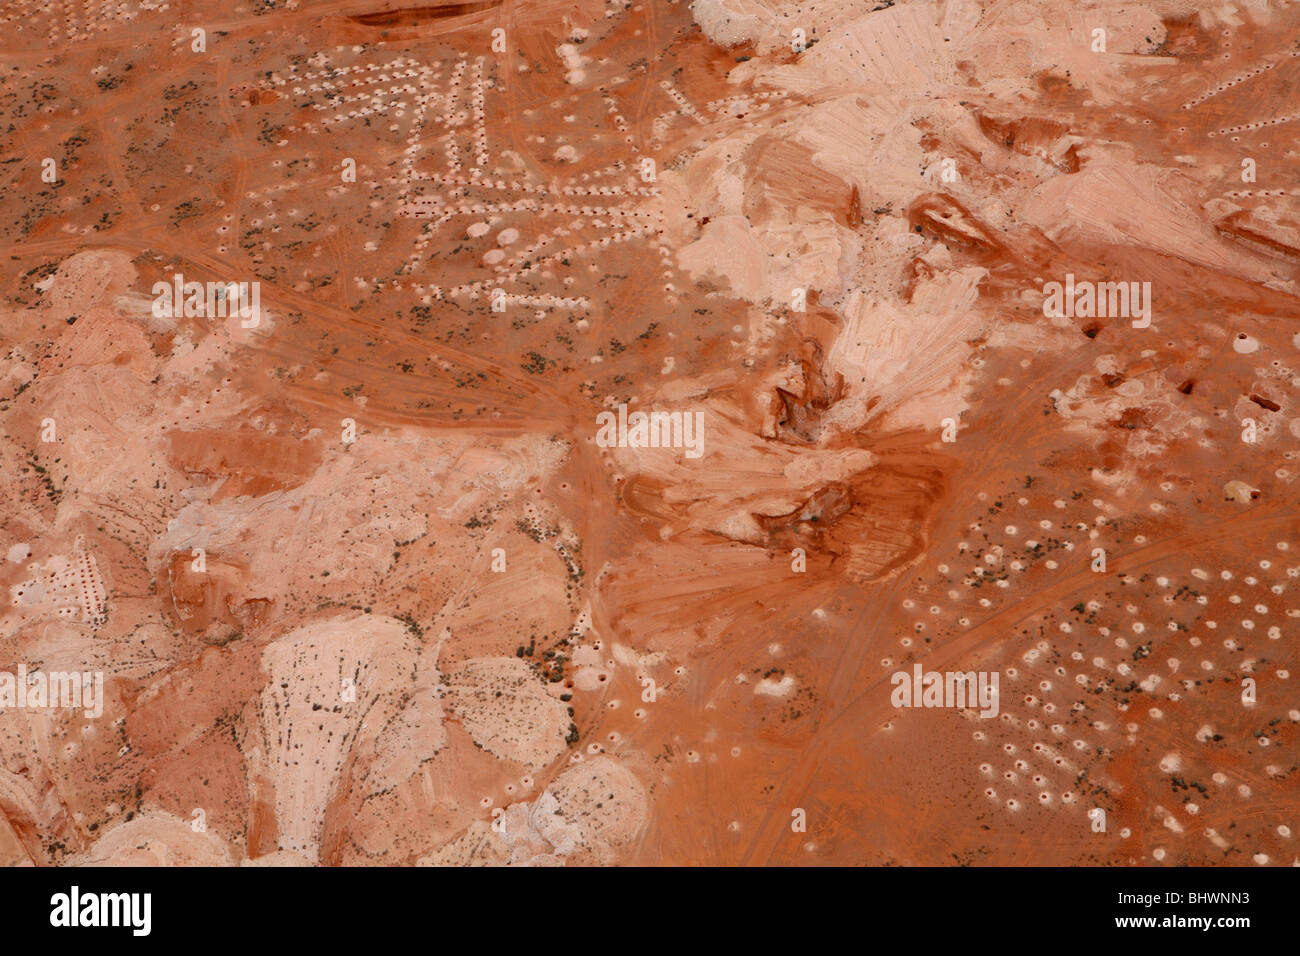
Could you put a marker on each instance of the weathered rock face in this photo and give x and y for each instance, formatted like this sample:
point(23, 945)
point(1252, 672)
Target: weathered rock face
point(331, 686)
point(507, 711)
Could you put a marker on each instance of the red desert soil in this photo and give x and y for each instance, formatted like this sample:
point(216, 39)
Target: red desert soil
point(369, 581)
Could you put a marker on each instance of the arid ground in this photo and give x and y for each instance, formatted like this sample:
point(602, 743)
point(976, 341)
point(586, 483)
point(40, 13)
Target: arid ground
point(968, 330)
